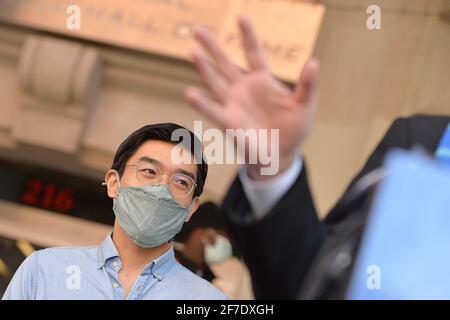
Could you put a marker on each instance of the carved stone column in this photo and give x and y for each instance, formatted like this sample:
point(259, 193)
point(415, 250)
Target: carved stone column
point(59, 81)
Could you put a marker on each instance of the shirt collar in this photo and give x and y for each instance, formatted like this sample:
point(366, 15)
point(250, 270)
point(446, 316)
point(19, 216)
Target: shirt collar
point(106, 250)
point(159, 267)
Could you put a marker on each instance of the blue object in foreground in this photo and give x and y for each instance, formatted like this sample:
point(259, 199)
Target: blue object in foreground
point(405, 250)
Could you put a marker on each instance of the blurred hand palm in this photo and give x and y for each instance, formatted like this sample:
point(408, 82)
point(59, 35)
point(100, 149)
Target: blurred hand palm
point(255, 99)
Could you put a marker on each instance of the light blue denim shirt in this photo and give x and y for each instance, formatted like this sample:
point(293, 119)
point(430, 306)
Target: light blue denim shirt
point(92, 273)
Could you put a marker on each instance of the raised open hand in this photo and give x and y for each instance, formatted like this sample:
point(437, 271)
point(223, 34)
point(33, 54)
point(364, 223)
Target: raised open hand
point(254, 99)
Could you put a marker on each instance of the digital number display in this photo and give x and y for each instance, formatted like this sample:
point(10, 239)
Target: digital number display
point(55, 191)
point(47, 196)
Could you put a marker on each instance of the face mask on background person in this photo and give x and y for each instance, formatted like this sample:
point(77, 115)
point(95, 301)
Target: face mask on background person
point(149, 214)
point(219, 251)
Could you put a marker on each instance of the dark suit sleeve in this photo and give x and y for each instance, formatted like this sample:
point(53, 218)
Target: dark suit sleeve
point(277, 249)
point(280, 248)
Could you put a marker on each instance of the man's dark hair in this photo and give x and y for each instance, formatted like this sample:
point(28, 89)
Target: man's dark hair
point(161, 132)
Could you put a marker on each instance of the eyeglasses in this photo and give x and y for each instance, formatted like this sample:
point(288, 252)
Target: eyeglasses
point(180, 185)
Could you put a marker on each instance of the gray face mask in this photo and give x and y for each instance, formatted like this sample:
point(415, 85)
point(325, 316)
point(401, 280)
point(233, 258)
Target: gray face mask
point(218, 252)
point(149, 214)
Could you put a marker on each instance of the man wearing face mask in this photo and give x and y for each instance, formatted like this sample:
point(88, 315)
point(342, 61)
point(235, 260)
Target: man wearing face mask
point(153, 197)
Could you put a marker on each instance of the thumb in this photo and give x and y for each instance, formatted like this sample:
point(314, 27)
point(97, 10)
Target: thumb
point(307, 84)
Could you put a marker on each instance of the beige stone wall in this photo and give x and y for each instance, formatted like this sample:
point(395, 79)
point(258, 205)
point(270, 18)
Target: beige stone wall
point(370, 77)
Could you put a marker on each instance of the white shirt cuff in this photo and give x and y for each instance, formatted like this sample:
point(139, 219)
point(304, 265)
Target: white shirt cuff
point(263, 195)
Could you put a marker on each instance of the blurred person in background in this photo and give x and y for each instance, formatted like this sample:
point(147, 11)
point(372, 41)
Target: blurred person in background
point(153, 197)
point(273, 219)
point(204, 241)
